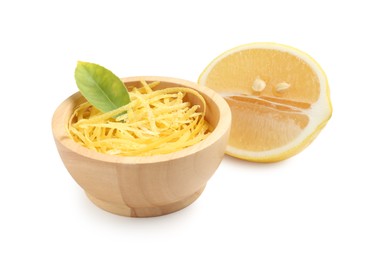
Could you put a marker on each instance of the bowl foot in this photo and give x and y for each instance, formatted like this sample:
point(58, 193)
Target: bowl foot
point(124, 210)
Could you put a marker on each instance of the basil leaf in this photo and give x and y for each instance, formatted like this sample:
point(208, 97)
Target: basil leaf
point(100, 86)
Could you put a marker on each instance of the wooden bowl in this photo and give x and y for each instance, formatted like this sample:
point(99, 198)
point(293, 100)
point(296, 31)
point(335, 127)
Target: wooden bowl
point(150, 185)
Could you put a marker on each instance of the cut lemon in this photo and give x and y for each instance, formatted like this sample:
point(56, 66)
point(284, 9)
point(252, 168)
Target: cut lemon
point(279, 98)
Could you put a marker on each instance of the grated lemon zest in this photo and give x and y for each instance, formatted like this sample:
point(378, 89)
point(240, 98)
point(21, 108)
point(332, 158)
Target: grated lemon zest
point(154, 122)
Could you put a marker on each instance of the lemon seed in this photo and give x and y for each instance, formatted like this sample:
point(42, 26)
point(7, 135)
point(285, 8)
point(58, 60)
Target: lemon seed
point(258, 85)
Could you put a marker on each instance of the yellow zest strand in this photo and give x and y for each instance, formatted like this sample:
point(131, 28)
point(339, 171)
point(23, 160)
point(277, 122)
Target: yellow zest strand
point(154, 122)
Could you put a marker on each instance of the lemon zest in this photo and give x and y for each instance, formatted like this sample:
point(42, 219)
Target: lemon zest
point(154, 122)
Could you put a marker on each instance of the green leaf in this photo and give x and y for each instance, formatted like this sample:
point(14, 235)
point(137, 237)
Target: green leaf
point(100, 86)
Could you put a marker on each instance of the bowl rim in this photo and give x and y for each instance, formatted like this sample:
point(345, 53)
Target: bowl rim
point(223, 126)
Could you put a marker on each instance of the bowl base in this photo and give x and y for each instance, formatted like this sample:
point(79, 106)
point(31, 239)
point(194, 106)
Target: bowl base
point(124, 210)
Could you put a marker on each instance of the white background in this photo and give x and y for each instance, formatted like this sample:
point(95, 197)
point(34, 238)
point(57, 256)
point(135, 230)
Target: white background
point(325, 203)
